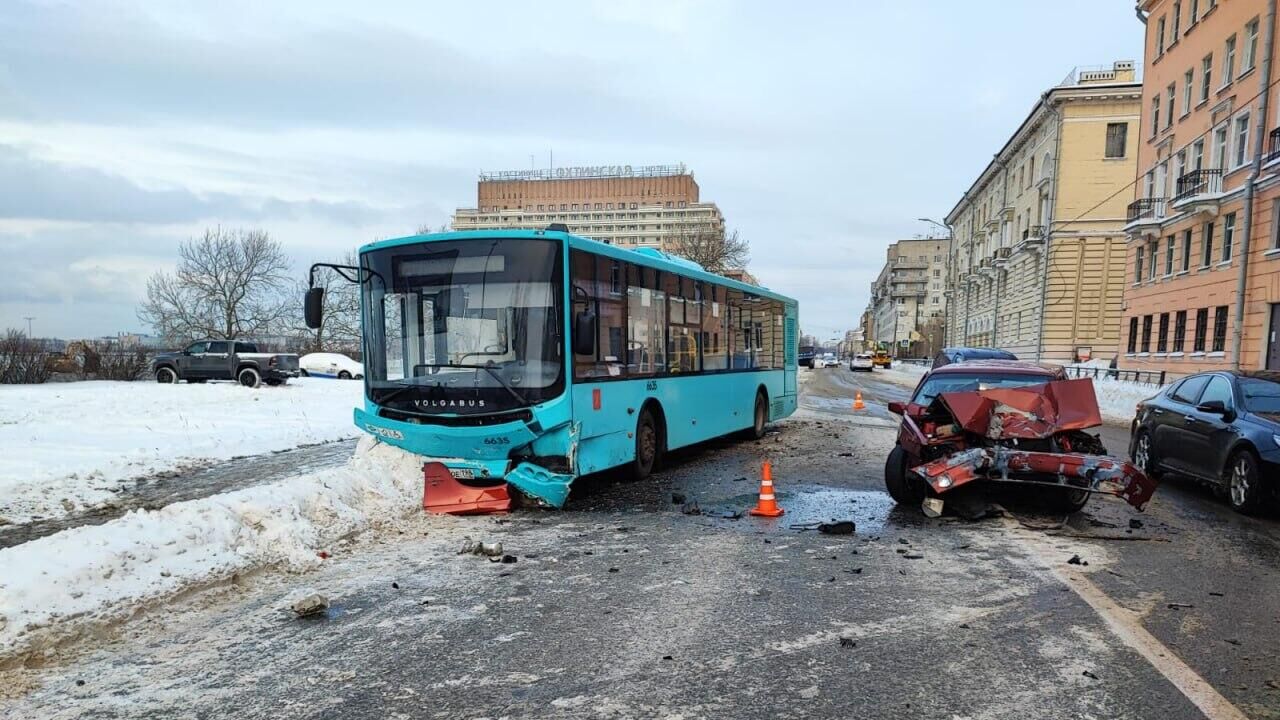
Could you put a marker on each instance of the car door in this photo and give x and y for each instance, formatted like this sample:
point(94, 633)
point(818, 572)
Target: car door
point(1170, 432)
point(1210, 434)
point(189, 361)
point(214, 363)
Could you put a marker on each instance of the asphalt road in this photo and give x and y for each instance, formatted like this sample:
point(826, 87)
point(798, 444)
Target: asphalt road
point(622, 605)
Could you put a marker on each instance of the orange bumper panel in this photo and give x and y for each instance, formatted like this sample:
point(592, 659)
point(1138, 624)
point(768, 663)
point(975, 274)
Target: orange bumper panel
point(443, 494)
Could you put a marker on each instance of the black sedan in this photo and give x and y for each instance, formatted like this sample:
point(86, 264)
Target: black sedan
point(1222, 428)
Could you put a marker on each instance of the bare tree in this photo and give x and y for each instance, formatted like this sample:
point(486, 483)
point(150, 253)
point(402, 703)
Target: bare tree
point(22, 359)
point(714, 249)
point(228, 284)
point(426, 229)
point(340, 322)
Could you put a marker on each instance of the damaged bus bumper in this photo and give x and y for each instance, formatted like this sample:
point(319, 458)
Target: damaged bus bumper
point(508, 454)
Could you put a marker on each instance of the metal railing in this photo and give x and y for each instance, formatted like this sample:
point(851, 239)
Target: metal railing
point(1205, 181)
point(1146, 208)
point(1148, 377)
point(1273, 145)
point(1036, 231)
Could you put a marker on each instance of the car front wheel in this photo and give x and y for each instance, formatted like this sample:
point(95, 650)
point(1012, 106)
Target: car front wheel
point(166, 375)
point(1144, 457)
point(1244, 485)
point(903, 487)
point(344, 375)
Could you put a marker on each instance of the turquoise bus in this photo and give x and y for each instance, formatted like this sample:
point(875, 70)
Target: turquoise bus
point(532, 357)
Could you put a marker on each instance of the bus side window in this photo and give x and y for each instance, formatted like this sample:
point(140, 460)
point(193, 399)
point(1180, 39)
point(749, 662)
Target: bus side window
point(581, 295)
point(714, 316)
point(609, 295)
point(740, 323)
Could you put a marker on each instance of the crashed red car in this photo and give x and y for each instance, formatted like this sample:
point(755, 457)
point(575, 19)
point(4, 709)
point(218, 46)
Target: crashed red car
point(1006, 421)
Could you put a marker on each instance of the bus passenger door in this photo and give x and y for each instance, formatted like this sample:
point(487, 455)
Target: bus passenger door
point(789, 360)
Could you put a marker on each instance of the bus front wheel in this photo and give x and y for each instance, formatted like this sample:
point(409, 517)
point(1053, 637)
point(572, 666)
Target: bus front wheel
point(759, 418)
point(647, 446)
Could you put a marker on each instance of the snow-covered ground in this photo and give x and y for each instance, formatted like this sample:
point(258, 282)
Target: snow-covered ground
point(64, 446)
point(59, 586)
point(901, 373)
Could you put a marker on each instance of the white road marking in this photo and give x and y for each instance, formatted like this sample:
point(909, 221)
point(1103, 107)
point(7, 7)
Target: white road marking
point(1128, 627)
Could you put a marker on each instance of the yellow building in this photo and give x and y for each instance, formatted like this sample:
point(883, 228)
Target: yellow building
point(1038, 260)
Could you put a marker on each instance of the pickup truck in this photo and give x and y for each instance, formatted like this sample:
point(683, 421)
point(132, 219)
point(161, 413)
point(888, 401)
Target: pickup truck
point(224, 360)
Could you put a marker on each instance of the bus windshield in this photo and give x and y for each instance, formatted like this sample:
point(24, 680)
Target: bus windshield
point(464, 326)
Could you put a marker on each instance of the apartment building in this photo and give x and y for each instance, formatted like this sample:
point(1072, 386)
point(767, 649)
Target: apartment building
point(907, 310)
point(632, 206)
point(1037, 264)
point(1205, 219)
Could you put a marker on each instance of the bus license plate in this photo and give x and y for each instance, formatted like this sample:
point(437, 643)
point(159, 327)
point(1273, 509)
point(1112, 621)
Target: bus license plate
point(462, 473)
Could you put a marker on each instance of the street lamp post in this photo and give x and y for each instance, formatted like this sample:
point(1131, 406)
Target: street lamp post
point(28, 318)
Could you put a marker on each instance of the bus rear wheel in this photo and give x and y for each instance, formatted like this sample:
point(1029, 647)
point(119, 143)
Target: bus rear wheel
point(759, 418)
point(648, 446)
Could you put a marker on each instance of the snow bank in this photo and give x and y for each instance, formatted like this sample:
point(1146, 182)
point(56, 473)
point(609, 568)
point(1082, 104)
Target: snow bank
point(78, 441)
point(58, 586)
point(1116, 398)
point(901, 373)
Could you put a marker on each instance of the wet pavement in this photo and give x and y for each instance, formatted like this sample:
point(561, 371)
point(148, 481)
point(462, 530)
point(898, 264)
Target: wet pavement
point(156, 491)
point(629, 604)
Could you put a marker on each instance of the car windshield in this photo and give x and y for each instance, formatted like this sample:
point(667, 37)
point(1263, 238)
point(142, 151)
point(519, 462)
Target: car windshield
point(1261, 396)
point(962, 382)
point(464, 326)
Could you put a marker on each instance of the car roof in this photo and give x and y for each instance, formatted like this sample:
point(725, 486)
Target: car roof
point(1019, 367)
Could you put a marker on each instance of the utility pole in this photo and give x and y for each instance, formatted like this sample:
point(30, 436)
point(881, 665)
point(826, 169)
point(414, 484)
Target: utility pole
point(28, 318)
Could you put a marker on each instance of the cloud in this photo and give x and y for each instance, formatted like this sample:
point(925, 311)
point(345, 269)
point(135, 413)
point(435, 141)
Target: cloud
point(37, 189)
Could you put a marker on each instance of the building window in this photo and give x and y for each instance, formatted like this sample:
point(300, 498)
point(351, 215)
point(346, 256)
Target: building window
point(1228, 235)
point(1202, 328)
point(1160, 37)
point(1177, 22)
point(1250, 46)
point(1197, 155)
point(1179, 330)
point(1162, 337)
point(1146, 333)
point(1133, 334)
point(1229, 61)
point(1155, 259)
point(1117, 134)
point(1206, 77)
point(1220, 328)
point(1186, 250)
point(1206, 242)
point(1220, 147)
point(1171, 93)
point(1155, 116)
point(1137, 265)
point(1188, 83)
point(1169, 251)
point(1242, 139)
point(1194, 14)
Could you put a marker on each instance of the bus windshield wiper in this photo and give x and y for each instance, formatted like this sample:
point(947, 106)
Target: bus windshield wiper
point(487, 368)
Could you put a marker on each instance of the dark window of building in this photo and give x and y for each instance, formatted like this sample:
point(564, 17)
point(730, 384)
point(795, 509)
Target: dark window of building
point(1206, 258)
point(1228, 235)
point(1133, 334)
point(1146, 333)
point(1186, 250)
point(1162, 336)
point(1179, 330)
point(1117, 135)
point(1202, 329)
point(1220, 328)
point(1170, 249)
point(1137, 264)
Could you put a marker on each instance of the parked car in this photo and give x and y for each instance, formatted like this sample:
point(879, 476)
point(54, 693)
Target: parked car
point(224, 360)
point(881, 359)
point(862, 361)
point(1222, 428)
point(946, 356)
point(917, 442)
point(331, 365)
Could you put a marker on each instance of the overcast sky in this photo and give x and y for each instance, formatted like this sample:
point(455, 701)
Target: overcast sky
point(823, 130)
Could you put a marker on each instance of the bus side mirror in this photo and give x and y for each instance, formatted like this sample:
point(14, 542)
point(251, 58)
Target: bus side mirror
point(584, 333)
point(312, 305)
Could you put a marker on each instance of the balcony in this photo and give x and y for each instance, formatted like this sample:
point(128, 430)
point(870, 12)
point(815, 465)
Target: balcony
point(1145, 215)
point(1199, 191)
point(1273, 146)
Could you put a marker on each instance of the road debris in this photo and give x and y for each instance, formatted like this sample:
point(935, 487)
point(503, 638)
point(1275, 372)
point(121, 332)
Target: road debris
point(932, 507)
point(471, 547)
point(1180, 606)
point(691, 508)
point(838, 527)
point(1075, 560)
point(848, 642)
point(1089, 675)
point(1135, 524)
point(310, 605)
point(677, 498)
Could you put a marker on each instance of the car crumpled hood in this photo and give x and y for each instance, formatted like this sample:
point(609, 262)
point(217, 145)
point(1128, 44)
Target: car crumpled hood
point(1032, 411)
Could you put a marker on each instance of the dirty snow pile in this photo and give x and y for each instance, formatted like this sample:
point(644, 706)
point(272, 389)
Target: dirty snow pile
point(1117, 398)
point(58, 586)
point(907, 374)
point(64, 446)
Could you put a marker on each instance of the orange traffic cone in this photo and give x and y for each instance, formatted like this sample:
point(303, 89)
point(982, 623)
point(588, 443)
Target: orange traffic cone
point(767, 506)
point(857, 401)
